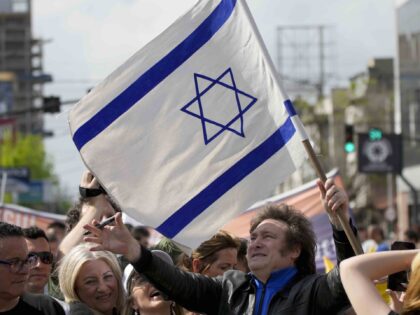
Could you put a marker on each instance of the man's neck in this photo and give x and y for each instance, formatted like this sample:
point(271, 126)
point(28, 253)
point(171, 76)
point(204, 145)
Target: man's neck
point(8, 304)
point(35, 290)
point(262, 276)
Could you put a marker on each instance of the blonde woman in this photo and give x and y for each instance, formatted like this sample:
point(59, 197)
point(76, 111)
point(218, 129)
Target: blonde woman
point(91, 281)
point(358, 273)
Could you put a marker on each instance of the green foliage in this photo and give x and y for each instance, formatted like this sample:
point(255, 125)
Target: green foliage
point(306, 111)
point(27, 151)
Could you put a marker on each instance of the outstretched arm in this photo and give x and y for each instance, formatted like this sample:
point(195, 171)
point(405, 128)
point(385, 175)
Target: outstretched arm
point(357, 275)
point(93, 208)
point(196, 292)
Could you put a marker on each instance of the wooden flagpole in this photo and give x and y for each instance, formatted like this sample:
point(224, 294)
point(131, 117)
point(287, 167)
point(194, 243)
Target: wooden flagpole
point(355, 243)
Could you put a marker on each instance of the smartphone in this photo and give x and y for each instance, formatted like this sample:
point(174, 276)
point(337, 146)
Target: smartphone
point(103, 224)
point(397, 280)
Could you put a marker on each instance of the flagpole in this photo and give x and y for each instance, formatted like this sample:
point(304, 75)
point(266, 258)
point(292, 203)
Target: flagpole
point(301, 130)
point(355, 243)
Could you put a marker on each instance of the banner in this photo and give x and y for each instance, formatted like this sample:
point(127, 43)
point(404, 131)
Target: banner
point(26, 217)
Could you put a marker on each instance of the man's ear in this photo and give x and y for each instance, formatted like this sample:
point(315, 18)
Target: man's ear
point(196, 264)
point(295, 253)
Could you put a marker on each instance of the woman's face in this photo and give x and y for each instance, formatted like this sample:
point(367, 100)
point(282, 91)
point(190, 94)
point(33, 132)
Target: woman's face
point(96, 286)
point(226, 260)
point(146, 298)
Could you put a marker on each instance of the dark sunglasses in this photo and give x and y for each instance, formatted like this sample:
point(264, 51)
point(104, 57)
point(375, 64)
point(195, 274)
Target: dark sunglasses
point(45, 257)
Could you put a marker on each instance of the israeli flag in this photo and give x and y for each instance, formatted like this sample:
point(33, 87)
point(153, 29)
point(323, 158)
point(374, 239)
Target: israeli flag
point(192, 129)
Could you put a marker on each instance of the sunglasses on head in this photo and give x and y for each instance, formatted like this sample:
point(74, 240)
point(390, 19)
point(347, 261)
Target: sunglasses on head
point(45, 257)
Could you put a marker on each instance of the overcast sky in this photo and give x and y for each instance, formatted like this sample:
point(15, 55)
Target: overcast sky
point(90, 38)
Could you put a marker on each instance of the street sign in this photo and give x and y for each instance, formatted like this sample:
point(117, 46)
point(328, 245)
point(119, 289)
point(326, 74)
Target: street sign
point(16, 172)
point(39, 191)
point(379, 154)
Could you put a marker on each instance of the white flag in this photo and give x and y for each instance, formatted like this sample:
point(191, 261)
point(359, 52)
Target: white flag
point(192, 129)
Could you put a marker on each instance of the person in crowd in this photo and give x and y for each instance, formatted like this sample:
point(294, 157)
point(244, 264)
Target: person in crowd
point(169, 247)
point(242, 263)
point(55, 233)
point(144, 298)
point(91, 281)
point(142, 235)
point(54, 242)
point(412, 237)
point(376, 241)
point(358, 274)
point(281, 257)
point(215, 256)
point(15, 264)
point(73, 215)
point(362, 232)
point(38, 246)
point(58, 229)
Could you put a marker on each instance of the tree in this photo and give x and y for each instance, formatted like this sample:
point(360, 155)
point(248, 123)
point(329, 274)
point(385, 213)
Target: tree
point(18, 150)
point(27, 151)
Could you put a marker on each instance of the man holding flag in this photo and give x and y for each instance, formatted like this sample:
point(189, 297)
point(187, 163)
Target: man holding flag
point(281, 257)
point(201, 128)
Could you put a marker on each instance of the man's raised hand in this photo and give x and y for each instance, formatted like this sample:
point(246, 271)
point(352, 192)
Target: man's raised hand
point(115, 238)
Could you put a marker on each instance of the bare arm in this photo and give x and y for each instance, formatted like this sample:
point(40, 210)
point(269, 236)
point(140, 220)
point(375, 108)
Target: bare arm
point(93, 209)
point(357, 275)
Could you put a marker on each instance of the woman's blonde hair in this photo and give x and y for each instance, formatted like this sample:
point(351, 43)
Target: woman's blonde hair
point(412, 296)
point(71, 264)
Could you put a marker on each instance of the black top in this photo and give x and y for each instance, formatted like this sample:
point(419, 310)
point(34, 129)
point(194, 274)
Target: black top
point(23, 308)
point(36, 304)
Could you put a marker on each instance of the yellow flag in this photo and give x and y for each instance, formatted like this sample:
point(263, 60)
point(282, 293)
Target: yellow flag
point(329, 265)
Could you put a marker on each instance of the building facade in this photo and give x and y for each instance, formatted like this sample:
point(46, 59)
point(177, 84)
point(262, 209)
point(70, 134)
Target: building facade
point(21, 59)
point(408, 28)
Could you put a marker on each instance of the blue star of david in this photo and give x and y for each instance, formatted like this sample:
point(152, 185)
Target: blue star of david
point(241, 103)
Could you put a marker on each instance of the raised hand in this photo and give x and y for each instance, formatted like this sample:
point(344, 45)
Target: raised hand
point(334, 199)
point(115, 238)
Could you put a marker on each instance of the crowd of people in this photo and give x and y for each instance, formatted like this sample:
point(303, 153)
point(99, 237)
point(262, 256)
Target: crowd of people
point(79, 268)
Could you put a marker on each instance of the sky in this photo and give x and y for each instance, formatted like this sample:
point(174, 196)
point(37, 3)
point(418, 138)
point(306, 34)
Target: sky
point(87, 39)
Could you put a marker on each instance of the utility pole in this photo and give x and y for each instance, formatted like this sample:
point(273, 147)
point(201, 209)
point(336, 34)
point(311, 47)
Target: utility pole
point(321, 63)
point(303, 58)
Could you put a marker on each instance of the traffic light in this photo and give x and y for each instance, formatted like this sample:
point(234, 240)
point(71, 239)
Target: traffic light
point(349, 145)
point(375, 134)
point(51, 104)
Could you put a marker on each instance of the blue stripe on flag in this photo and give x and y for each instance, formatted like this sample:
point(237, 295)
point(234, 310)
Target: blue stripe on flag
point(290, 108)
point(204, 199)
point(156, 74)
